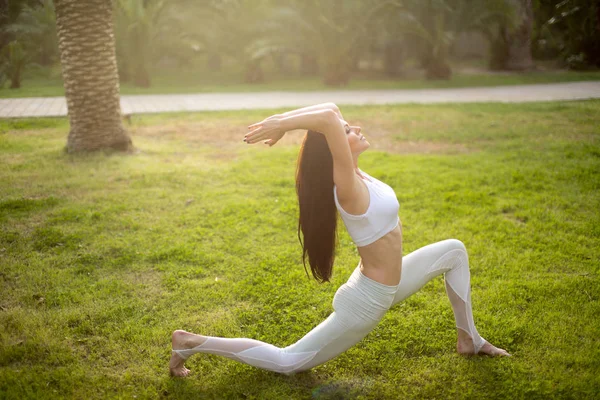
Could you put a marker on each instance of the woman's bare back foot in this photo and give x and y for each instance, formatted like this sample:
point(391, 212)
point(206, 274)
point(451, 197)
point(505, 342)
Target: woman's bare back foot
point(181, 340)
point(465, 346)
point(491, 350)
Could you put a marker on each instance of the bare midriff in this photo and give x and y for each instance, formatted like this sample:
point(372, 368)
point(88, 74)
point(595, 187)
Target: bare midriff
point(382, 259)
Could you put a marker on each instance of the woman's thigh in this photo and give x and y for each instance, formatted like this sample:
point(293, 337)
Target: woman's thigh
point(330, 338)
point(424, 264)
point(359, 305)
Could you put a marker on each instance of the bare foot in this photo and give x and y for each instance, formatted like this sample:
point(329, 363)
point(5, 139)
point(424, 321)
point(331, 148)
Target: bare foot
point(465, 346)
point(181, 340)
point(491, 350)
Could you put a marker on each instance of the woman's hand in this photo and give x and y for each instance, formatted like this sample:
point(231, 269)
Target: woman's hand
point(269, 131)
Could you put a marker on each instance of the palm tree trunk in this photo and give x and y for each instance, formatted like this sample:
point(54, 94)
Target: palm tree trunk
point(393, 56)
point(519, 39)
point(15, 81)
point(89, 68)
point(336, 71)
point(308, 64)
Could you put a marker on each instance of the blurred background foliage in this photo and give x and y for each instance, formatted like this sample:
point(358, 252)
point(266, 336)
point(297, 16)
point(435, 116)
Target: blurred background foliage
point(252, 41)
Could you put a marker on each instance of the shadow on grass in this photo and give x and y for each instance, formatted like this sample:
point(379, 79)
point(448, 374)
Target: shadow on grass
point(255, 383)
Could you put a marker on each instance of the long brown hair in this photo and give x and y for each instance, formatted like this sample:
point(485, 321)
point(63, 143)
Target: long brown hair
point(317, 222)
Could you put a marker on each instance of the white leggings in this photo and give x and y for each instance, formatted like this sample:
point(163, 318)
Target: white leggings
point(359, 305)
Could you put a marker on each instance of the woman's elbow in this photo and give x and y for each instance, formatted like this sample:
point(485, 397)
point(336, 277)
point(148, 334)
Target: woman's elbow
point(328, 118)
point(335, 109)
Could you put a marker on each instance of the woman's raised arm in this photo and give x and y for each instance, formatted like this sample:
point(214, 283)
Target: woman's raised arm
point(325, 121)
point(316, 107)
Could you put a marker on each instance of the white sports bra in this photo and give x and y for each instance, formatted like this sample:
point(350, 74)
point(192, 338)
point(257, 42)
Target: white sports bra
point(380, 218)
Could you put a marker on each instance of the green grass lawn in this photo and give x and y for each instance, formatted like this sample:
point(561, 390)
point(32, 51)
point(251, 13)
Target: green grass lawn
point(103, 256)
point(204, 82)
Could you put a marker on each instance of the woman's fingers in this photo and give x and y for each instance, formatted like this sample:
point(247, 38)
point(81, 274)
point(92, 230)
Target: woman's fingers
point(259, 130)
point(255, 125)
point(265, 131)
point(253, 133)
point(257, 137)
point(252, 136)
point(259, 134)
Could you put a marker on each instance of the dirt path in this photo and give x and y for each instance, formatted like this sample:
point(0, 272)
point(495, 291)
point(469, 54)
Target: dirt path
point(140, 104)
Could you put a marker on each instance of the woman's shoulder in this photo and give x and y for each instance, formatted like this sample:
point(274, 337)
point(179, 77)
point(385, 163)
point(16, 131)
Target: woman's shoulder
point(358, 203)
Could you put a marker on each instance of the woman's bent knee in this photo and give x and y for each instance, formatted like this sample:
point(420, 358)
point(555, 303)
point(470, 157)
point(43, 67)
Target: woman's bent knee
point(454, 244)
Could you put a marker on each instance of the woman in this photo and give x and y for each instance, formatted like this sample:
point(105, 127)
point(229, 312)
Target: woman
point(328, 179)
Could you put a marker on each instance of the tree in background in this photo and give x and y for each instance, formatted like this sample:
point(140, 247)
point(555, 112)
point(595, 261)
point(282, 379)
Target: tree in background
point(13, 59)
point(89, 67)
point(27, 35)
point(330, 38)
point(573, 27)
point(392, 42)
point(35, 27)
point(518, 39)
point(435, 24)
point(511, 39)
point(331, 32)
point(234, 29)
point(143, 30)
point(9, 12)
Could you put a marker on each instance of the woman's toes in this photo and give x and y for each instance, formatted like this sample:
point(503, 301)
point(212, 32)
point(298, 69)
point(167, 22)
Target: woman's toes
point(183, 372)
point(503, 353)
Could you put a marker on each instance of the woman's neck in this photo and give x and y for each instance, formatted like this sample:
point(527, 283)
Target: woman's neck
point(360, 174)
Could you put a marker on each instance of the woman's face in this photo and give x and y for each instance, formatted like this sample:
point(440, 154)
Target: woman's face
point(358, 143)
